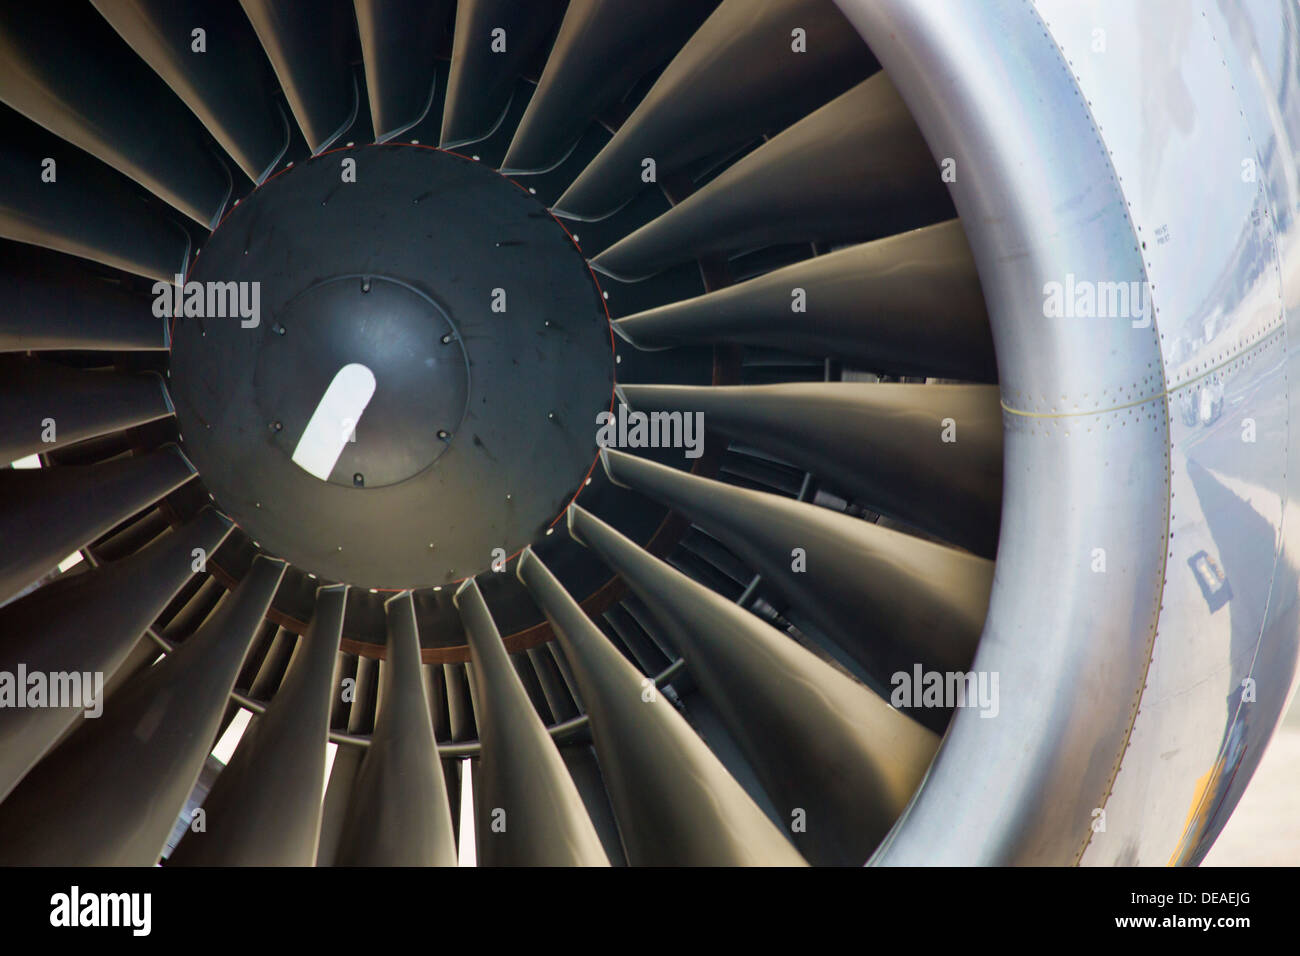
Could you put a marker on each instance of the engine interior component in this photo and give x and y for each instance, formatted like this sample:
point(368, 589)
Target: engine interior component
point(596, 432)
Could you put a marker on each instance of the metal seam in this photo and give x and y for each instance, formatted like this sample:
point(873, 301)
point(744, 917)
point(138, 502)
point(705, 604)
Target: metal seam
point(1247, 354)
point(1163, 393)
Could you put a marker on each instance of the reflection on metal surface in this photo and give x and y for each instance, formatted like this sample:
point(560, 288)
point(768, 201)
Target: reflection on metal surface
point(1121, 143)
point(1214, 585)
point(333, 424)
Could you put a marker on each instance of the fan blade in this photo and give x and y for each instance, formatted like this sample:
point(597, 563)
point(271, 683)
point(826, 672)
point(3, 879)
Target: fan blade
point(226, 84)
point(139, 660)
point(675, 803)
point(131, 537)
point(828, 751)
point(526, 788)
point(274, 665)
point(87, 210)
point(558, 699)
point(493, 42)
point(603, 47)
point(194, 611)
point(108, 103)
point(399, 40)
point(54, 303)
point(347, 763)
point(308, 46)
point(738, 77)
point(855, 169)
point(460, 711)
point(399, 815)
point(343, 774)
point(910, 304)
point(248, 822)
point(43, 401)
point(51, 512)
point(89, 623)
point(111, 794)
point(929, 455)
point(926, 602)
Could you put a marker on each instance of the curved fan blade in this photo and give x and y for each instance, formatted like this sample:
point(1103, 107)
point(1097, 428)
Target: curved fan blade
point(130, 537)
point(49, 513)
point(910, 304)
point(45, 406)
point(54, 303)
point(675, 803)
point(738, 77)
point(86, 210)
point(494, 40)
point(855, 169)
point(108, 103)
point(826, 749)
point(347, 763)
point(525, 786)
point(603, 47)
point(399, 40)
point(399, 814)
point(194, 611)
point(248, 822)
point(89, 623)
point(929, 455)
point(559, 699)
point(275, 664)
point(111, 794)
point(926, 603)
point(225, 83)
point(139, 660)
point(460, 712)
point(308, 46)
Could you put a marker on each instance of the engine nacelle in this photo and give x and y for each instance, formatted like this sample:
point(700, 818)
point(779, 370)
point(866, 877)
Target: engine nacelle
point(1143, 618)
